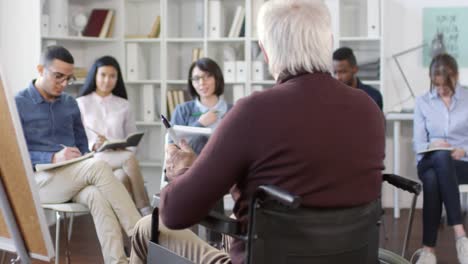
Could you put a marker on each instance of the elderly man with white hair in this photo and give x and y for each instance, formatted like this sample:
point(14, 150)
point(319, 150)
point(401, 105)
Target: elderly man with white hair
point(310, 135)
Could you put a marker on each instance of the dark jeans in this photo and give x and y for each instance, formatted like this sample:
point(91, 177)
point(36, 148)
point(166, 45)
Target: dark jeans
point(440, 175)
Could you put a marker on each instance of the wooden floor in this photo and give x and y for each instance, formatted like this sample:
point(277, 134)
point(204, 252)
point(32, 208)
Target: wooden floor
point(85, 246)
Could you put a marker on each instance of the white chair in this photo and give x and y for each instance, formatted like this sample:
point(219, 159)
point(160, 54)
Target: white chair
point(61, 210)
point(463, 188)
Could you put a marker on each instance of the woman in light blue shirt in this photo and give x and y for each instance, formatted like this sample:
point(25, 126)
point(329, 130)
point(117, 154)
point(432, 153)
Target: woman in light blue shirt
point(441, 121)
point(206, 86)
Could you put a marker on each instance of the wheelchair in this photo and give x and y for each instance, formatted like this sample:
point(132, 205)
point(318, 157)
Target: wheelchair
point(280, 231)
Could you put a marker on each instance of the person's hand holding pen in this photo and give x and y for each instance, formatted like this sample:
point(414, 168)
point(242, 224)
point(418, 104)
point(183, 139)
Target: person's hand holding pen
point(65, 154)
point(178, 159)
point(208, 118)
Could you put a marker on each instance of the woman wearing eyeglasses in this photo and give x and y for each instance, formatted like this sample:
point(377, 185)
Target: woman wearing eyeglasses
point(106, 115)
point(205, 85)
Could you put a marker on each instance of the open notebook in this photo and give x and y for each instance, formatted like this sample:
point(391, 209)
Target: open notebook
point(434, 149)
point(48, 166)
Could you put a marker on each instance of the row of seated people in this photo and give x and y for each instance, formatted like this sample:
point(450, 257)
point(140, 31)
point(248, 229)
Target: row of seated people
point(291, 136)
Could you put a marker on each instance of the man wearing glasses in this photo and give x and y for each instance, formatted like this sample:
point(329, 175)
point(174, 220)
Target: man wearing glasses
point(54, 133)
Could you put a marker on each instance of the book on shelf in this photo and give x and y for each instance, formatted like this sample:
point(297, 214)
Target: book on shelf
point(435, 149)
point(95, 22)
point(110, 31)
point(170, 103)
point(156, 28)
point(236, 25)
point(49, 166)
point(181, 96)
point(80, 73)
point(107, 24)
point(132, 140)
point(197, 53)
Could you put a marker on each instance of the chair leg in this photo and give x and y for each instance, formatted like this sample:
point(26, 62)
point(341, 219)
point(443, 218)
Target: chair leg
point(67, 246)
point(70, 226)
point(463, 203)
point(2, 259)
point(57, 236)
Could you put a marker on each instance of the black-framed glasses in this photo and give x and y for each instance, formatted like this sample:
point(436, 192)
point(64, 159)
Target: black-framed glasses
point(60, 77)
point(197, 78)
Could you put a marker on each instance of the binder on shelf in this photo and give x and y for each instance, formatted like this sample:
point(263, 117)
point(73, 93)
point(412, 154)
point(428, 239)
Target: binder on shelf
point(148, 100)
point(229, 71)
point(58, 11)
point(136, 69)
point(240, 71)
point(237, 22)
point(45, 24)
point(215, 19)
point(256, 4)
point(107, 24)
point(156, 28)
point(258, 71)
point(237, 92)
point(95, 22)
point(373, 18)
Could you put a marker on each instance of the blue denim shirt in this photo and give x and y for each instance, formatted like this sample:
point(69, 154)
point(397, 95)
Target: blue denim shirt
point(47, 125)
point(433, 121)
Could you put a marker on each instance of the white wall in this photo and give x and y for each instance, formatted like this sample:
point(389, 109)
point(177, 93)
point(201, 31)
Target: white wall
point(403, 30)
point(19, 42)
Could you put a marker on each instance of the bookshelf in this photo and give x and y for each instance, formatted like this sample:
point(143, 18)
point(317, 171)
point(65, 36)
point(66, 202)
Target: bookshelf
point(359, 24)
point(152, 67)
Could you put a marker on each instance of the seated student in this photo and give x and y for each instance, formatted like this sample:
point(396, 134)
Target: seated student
point(441, 120)
point(106, 115)
point(264, 139)
point(51, 120)
point(345, 68)
point(206, 85)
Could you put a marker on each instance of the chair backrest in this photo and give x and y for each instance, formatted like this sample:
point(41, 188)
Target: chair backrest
point(298, 236)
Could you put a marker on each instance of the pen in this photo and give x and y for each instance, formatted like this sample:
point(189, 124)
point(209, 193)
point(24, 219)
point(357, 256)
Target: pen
point(170, 130)
point(63, 146)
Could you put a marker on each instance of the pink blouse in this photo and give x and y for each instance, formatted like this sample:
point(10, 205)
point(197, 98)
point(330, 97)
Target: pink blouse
point(109, 116)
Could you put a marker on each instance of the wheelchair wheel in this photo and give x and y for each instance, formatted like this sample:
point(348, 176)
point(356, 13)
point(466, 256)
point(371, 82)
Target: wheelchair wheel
point(388, 257)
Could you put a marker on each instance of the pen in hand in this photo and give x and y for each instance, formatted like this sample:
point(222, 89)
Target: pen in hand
point(170, 130)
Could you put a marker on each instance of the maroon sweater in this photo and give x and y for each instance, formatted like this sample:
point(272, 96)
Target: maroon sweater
point(311, 135)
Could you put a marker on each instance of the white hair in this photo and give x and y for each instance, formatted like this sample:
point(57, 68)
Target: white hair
point(296, 36)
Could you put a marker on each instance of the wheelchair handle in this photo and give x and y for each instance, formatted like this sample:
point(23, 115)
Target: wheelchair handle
point(403, 183)
point(270, 192)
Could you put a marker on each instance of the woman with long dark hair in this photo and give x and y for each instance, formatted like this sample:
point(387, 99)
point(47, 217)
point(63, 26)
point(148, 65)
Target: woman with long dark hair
point(106, 115)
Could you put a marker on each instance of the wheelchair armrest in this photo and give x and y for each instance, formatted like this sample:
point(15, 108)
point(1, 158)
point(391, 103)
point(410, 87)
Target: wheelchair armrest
point(214, 221)
point(270, 192)
point(223, 224)
point(403, 183)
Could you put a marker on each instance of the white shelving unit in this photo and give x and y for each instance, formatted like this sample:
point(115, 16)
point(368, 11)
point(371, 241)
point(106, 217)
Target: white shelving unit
point(358, 24)
point(153, 66)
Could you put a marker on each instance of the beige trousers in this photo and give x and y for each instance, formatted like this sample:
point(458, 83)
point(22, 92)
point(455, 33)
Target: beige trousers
point(127, 171)
point(182, 242)
point(92, 182)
